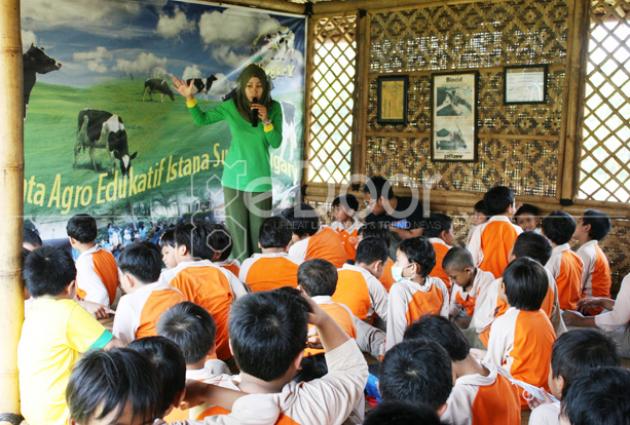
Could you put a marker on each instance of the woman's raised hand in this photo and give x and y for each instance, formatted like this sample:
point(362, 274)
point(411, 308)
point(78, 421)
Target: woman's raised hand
point(186, 90)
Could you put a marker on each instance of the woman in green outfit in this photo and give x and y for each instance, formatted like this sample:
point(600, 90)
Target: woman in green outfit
point(246, 170)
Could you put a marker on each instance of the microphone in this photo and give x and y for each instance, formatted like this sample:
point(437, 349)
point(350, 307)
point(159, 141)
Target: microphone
point(253, 114)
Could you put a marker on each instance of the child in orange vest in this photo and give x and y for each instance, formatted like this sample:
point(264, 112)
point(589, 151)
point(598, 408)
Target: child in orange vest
point(527, 217)
point(147, 298)
point(167, 248)
point(344, 210)
point(596, 278)
point(220, 242)
point(565, 265)
point(492, 241)
point(273, 268)
point(480, 216)
point(377, 230)
point(439, 229)
point(415, 293)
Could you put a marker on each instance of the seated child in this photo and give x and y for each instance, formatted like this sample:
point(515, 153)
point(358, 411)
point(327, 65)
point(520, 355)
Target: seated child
point(310, 241)
point(376, 230)
point(417, 371)
point(55, 332)
point(521, 339)
point(565, 265)
point(402, 413)
point(167, 248)
point(599, 396)
point(480, 395)
point(492, 241)
point(358, 286)
point(415, 293)
point(573, 353)
point(273, 268)
point(596, 278)
point(147, 298)
point(344, 210)
point(220, 242)
point(439, 229)
point(480, 216)
point(318, 278)
point(527, 217)
point(97, 273)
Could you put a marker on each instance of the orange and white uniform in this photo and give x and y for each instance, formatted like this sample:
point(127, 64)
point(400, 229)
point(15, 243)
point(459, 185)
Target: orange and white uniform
point(97, 276)
point(137, 313)
point(387, 279)
point(545, 414)
point(619, 317)
point(265, 272)
point(491, 244)
point(596, 277)
point(481, 400)
point(232, 265)
point(210, 287)
point(326, 244)
point(441, 248)
point(468, 300)
point(349, 236)
point(409, 301)
point(361, 292)
point(520, 343)
point(329, 400)
point(566, 268)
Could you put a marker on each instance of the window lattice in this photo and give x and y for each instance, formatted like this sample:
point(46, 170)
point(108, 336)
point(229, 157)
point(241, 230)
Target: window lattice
point(332, 100)
point(605, 155)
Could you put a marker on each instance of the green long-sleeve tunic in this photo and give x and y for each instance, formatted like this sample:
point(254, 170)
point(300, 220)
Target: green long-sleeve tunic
point(246, 165)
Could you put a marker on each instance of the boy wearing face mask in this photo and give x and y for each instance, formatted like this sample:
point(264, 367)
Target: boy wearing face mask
point(415, 293)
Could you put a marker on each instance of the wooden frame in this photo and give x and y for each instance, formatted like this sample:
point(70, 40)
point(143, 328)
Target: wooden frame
point(454, 120)
point(521, 80)
point(392, 92)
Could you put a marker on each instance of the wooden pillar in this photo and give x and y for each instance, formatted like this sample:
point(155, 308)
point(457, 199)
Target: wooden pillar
point(11, 182)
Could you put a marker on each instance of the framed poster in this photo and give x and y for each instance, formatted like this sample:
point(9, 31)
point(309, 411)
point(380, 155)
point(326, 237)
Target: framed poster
point(392, 99)
point(525, 84)
point(454, 116)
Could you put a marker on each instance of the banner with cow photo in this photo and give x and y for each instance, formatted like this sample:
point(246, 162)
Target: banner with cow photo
point(105, 132)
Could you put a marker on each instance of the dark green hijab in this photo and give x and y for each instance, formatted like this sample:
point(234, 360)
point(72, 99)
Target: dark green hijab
point(242, 104)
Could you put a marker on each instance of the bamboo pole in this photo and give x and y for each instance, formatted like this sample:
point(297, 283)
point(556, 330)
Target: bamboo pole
point(11, 182)
point(359, 149)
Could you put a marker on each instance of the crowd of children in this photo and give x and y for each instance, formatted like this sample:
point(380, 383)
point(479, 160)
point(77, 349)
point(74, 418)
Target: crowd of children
point(453, 334)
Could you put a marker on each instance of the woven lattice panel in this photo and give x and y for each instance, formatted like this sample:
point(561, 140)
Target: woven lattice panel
point(605, 155)
point(332, 101)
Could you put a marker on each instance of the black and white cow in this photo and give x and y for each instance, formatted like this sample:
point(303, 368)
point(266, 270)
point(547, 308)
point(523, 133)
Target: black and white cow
point(103, 130)
point(157, 85)
point(202, 85)
point(35, 61)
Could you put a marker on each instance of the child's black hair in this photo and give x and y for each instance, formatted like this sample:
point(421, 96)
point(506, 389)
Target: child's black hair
point(457, 259)
point(304, 220)
point(559, 227)
point(141, 259)
point(191, 327)
point(48, 271)
point(526, 284)
point(420, 251)
point(168, 361)
point(82, 227)
point(268, 331)
point(317, 277)
point(370, 250)
point(376, 230)
point(348, 200)
point(312, 367)
point(444, 332)
point(378, 186)
point(528, 209)
point(599, 397)
point(417, 371)
point(275, 232)
point(219, 241)
point(168, 238)
point(402, 413)
point(103, 382)
point(579, 350)
point(195, 239)
point(498, 200)
point(480, 207)
point(600, 224)
point(31, 237)
point(532, 245)
point(436, 224)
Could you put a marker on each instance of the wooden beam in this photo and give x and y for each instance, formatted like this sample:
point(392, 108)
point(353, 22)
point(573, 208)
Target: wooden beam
point(336, 7)
point(359, 145)
point(11, 202)
point(274, 5)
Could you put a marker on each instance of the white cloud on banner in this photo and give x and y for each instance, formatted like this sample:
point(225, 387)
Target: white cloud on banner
point(233, 25)
point(225, 54)
point(145, 63)
point(191, 71)
point(28, 38)
point(173, 26)
point(221, 86)
point(94, 59)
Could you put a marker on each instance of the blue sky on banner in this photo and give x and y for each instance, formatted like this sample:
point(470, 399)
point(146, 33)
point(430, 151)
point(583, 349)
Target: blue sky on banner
point(100, 40)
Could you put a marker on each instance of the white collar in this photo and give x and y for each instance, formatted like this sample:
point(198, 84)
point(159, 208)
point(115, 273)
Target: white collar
point(322, 299)
point(440, 241)
point(500, 218)
point(90, 251)
point(561, 248)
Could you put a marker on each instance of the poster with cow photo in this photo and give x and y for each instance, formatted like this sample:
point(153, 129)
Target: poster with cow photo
point(106, 133)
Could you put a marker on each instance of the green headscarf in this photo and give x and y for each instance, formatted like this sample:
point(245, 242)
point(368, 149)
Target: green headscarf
point(242, 104)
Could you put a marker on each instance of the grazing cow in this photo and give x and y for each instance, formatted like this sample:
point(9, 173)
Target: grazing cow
point(159, 85)
point(35, 61)
point(103, 130)
point(202, 85)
